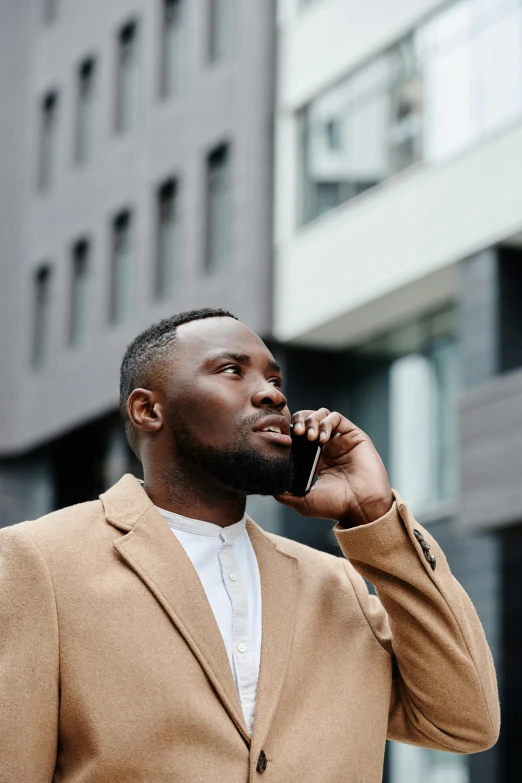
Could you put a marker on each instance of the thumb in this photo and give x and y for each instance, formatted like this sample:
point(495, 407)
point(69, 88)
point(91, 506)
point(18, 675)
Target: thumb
point(298, 503)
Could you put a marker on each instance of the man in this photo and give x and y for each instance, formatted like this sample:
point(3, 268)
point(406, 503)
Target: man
point(158, 635)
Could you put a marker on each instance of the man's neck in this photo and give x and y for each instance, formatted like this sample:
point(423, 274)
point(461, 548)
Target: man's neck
point(195, 497)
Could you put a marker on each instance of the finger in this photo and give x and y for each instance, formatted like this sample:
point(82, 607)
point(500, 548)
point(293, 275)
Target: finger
point(313, 422)
point(298, 420)
point(329, 425)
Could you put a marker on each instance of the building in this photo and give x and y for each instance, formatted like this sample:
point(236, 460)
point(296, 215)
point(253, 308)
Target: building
point(135, 182)
point(398, 282)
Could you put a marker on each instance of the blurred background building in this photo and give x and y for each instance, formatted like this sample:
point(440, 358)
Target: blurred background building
point(135, 181)
point(379, 252)
point(398, 220)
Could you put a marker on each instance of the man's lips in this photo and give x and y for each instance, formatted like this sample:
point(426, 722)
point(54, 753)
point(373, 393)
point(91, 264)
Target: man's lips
point(274, 428)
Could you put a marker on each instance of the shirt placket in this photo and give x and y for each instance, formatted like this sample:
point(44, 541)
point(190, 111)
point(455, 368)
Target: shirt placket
point(242, 647)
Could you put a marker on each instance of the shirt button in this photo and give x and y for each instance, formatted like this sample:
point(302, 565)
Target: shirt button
point(232, 576)
point(242, 647)
point(228, 532)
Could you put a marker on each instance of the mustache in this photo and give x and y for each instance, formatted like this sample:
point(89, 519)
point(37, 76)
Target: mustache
point(251, 421)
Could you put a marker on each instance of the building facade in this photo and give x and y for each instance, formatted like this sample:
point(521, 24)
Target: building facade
point(398, 225)
point(135, 182)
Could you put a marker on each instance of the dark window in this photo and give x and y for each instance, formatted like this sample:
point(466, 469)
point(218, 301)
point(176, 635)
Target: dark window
point(219, 209)
point(48, 138)
point(121, 290)
point(172, 47)
point(50, 10)
point(223, 22)
point(127, 80)
point(168, 239)
point(41, 314)
point(86, 94)
point(80, 294)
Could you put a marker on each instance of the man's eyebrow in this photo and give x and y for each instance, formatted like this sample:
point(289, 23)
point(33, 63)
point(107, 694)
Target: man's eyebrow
point(243, 358)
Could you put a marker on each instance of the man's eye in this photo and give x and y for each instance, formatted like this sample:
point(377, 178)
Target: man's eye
point(232, 369)
point(276, 382)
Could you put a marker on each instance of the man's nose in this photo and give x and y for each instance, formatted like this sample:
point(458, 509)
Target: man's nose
point(269, 396)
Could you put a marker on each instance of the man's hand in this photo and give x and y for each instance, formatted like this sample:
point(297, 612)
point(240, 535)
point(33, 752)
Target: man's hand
point(352, 485)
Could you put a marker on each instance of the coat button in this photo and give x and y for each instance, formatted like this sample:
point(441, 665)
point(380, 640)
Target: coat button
point(424, 544)
point(261, 762)
point(432, 562)
point(418, 535)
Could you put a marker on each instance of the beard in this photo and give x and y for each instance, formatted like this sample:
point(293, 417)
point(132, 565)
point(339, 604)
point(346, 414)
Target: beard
point(240, 466)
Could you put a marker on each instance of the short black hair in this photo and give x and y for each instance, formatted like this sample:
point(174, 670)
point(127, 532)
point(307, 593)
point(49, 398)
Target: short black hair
point(146, 351)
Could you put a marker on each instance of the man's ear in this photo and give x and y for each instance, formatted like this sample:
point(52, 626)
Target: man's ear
point(145, 411)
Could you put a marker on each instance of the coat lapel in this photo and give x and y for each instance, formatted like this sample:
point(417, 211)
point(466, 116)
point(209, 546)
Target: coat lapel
point(278, 572)
point(153, 552)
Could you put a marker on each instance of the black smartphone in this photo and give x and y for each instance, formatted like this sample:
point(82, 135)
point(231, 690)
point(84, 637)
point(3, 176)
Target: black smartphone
point(305, 455)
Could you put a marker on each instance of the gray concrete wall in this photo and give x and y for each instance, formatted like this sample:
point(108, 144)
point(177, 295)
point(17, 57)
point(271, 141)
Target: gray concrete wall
point(16, 41)
point(229, 100)
point(491, 454)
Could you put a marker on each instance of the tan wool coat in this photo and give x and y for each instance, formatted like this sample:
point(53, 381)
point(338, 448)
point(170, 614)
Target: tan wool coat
point(113, 669)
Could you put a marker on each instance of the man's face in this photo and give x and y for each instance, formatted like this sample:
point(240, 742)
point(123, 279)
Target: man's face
point(224, 407)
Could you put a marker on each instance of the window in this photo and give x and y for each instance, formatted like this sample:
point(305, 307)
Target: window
point(472, 54)
point(419, 765)
point(80, 294)
point(168, 239)
point(127, 82)
point(172, 47)
point(407, 400)
point(51, 8)
point(223, 28)
point(86, 94)
point(452, 79)
point(48, 138)
point(41, 314)
point(121, 292)
point(359, 132)
point(219, 209)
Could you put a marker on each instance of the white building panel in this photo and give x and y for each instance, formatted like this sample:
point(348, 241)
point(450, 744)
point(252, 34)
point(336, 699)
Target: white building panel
point(405, 229)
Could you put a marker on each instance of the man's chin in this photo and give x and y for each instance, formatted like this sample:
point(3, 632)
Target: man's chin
point(255, 472)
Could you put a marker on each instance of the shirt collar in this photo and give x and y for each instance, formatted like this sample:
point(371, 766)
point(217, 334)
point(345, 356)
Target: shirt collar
point(201, 528)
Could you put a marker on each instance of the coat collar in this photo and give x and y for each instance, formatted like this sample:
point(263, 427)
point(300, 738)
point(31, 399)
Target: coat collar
point(157, 557)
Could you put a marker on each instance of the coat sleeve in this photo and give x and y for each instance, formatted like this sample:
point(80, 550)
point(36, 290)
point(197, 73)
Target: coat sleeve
point(29, 670)
point(444, 692)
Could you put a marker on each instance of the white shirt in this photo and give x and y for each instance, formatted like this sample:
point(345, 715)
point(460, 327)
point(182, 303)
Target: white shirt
point(226, 564)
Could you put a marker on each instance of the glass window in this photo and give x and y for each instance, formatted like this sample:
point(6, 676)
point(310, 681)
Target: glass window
point(41, 314)
point(359, 132)
point(409, 764)
point(222, 28)
point(496, 55)
point(48, 141)
point(51, 8)
point(86, 95)
point(168, 241)
point(80, 294)
point(454, 78)
point(121, 293)
point(219, 209)
point(444, 42)
point(172, 47)
point(413, 428)
point(127, 82)
point(407, 402)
